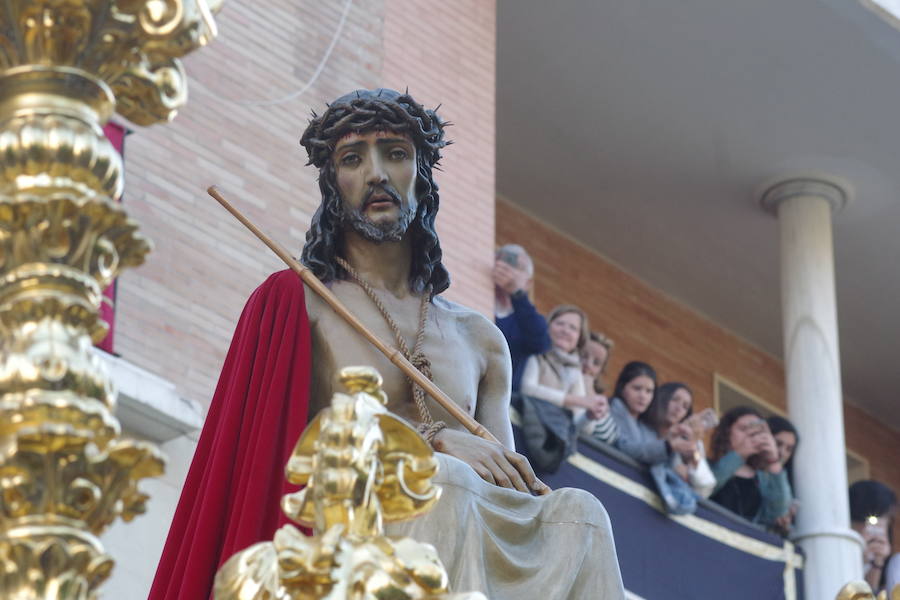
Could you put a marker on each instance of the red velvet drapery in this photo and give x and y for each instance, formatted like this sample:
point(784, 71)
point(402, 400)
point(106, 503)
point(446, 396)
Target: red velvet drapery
point(231, 497)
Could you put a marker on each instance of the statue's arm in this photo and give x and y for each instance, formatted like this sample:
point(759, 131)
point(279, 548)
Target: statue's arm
point(313, 304)
point(495, 463)
point(492, 406)
point(319, 394)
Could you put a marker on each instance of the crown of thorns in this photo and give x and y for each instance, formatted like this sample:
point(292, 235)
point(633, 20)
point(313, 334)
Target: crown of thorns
point(365, 110)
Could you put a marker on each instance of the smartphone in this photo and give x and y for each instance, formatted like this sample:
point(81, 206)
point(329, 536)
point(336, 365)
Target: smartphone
point(878, 529)
point(756, 428)
point(702, 421)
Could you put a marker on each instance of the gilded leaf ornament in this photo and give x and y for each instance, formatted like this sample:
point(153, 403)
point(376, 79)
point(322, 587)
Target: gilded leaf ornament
point(361, 465)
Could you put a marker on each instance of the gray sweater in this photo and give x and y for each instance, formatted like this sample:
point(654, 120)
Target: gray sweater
point(636, 439)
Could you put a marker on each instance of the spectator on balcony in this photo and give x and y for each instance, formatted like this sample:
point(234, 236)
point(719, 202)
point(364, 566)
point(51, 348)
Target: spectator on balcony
point(635, 389)
point(673, 405)
point(786, 440)
point(522, 325)
point(750, 481)
point(555, 404)
point(872, 509)
point(594, 358)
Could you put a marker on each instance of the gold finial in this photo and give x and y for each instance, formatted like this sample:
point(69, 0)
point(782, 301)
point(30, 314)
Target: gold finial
point(856, 590)
point(364, 380)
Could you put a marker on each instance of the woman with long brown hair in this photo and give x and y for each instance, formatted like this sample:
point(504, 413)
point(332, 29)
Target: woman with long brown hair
point(673, 405)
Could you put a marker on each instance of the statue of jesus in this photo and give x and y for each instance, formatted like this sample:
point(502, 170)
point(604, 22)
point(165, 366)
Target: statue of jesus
point(497, 528)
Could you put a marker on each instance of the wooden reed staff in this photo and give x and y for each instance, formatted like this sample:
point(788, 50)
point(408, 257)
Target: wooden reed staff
point(326, 294)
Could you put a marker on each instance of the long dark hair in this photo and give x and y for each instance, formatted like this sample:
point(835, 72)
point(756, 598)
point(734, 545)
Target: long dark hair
point(720, 445)
point(870, 498)
point(631, 371)
point(368, 110)
point(777, 424)
point(325, 236)
point(656, 415)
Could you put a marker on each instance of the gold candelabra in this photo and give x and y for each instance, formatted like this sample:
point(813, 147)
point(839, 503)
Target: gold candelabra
point(361, 465)
point(65, 67)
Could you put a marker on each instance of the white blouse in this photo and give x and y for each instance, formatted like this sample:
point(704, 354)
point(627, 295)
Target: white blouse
point(531, 386)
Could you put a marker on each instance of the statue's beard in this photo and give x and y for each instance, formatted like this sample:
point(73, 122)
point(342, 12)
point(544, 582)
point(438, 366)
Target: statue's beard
point(357, 220)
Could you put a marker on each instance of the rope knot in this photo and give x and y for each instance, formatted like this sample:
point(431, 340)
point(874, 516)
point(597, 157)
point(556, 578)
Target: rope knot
point(421, 362)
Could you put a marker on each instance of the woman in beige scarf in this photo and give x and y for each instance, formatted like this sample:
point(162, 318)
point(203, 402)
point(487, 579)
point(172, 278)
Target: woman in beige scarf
point(555, 379)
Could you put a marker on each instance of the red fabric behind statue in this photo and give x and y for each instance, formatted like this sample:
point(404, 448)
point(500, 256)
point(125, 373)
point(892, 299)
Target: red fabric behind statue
point(116, 134)
point(231, 497)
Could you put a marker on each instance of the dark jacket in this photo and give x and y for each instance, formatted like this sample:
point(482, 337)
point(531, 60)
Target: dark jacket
point(525, 331)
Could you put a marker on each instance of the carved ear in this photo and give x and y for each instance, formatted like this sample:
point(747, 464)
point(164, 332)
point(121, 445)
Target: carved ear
point(300, 464)
point(408, 464)
point(299, 469)
point(299, 508)
point(251, 573)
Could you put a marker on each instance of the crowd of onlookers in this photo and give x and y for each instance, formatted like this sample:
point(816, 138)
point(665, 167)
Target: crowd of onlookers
point(559, 396)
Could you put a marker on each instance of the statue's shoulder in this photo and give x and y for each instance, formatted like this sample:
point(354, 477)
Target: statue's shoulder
point(478, 327)
point(456, 310)
point(278, 287)
point(281, 283)
point(282, 289)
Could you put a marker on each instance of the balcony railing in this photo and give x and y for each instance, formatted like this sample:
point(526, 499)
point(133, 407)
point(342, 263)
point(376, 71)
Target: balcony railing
point(710, 554)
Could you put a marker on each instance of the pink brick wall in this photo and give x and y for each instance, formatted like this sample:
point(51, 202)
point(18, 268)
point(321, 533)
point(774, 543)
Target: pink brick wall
point(176, 314)
point(448, 52)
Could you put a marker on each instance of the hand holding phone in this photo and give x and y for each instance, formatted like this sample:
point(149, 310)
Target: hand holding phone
point(702, 421)
point(878, 547)
point(507, 274)
point(509, 257)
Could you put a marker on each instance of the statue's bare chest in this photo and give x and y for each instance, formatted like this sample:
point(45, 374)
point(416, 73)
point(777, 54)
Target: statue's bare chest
point(457, 362)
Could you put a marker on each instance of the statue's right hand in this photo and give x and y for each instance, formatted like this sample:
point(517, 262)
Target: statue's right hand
point(492, 461)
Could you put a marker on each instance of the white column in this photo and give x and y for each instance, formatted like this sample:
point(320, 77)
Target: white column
point(813, 380)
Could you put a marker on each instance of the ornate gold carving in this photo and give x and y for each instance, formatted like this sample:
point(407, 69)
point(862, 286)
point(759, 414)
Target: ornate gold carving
point(860, 590)
point(132, 46)
point(65, 67)
point(361, 465)
point(856, 590)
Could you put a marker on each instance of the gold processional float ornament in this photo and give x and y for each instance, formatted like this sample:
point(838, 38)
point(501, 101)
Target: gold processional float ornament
point(361, 466)
point(65, 474)
point(860, 590)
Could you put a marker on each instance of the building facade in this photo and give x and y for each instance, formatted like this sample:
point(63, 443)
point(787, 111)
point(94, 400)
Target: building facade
point(251, 93)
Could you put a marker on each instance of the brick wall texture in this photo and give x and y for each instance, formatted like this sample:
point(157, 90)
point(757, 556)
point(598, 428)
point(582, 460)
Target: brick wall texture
point(176, 314)
point(681, 344)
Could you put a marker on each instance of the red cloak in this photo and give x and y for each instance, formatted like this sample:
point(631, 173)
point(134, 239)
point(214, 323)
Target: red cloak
point(231, 496)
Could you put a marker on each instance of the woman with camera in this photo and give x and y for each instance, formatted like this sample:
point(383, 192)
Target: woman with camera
point(673, 405)
point(750, 480)
point(522, 325)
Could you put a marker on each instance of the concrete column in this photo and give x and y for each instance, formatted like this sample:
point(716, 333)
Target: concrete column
point(813, 377)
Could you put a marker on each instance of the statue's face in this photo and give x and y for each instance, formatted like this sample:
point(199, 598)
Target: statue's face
point(375, 173)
